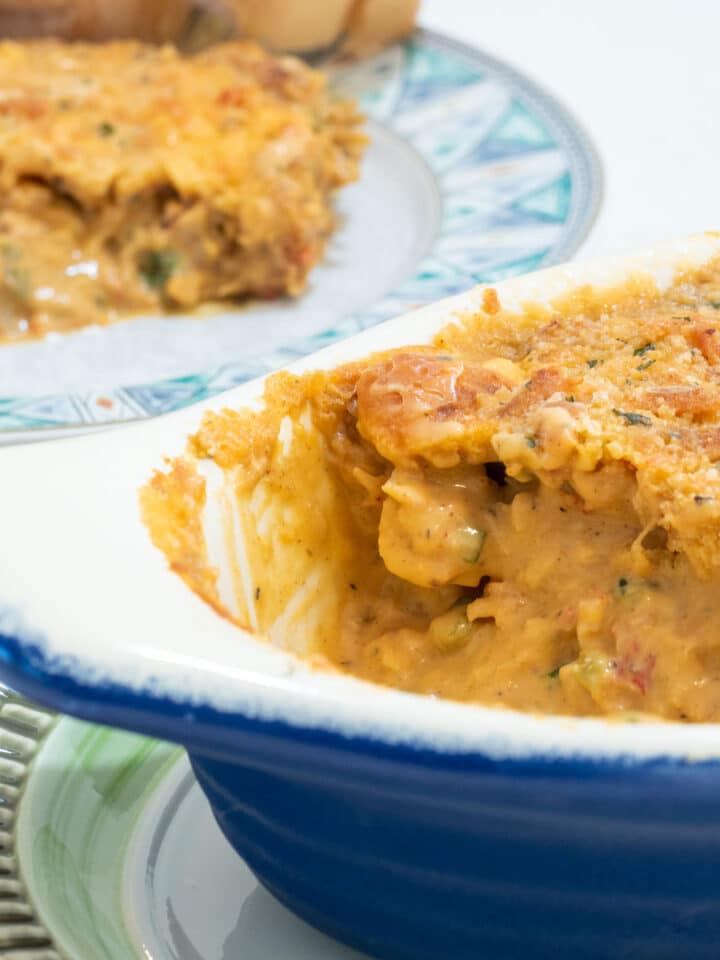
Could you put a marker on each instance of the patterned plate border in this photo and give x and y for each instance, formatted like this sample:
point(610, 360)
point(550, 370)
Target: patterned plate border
point(470, 117)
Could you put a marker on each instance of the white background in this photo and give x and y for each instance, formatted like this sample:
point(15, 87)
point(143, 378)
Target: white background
point(642, 77)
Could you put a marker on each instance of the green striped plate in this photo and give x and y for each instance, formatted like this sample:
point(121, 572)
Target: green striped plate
point(108, 851)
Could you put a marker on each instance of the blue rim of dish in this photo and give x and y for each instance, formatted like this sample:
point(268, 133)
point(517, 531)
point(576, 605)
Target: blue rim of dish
point(58, 685)
point(433, 66)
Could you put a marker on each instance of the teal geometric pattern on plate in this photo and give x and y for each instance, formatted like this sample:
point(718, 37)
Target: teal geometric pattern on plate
point(508, 183)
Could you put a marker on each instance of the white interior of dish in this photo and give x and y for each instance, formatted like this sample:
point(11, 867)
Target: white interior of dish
point(80, 578)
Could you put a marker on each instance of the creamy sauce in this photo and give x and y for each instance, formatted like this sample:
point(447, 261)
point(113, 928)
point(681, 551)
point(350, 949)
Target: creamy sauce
point(525, 513)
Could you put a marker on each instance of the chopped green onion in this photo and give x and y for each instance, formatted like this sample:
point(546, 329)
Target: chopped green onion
point(641, 351)
point(634, 419)
point(474, 542)
point(157, 266)
point(450, 630)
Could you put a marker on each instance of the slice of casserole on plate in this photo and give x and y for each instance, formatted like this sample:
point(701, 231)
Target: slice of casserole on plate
point(133, 178)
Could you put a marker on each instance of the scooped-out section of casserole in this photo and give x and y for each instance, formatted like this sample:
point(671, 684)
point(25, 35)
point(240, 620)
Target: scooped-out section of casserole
point(134, 179)
point(524, 512)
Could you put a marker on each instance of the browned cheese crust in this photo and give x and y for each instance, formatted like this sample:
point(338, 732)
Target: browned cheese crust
point(534, 500)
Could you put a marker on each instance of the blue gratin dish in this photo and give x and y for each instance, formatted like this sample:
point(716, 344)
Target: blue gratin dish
point(408, 827)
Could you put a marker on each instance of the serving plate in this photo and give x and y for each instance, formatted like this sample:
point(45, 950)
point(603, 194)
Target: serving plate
point(404, 826)
point(113, 854)
point(473, 174)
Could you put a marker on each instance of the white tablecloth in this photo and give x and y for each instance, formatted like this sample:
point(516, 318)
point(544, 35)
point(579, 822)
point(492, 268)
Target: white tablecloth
point(642, 77)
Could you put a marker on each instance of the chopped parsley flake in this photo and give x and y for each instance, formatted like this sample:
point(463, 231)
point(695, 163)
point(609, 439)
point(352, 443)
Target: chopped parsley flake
point(157, 266)
point(644, 366)
point(641, 351)
point(592, 363)
point(634, 419)
point(570, 398)
point(105, 129)
point(531, 442)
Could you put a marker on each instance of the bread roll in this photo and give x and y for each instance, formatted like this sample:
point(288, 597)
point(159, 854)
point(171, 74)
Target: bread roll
point(29, 18)
point(359, 26)
point(150, 20)
point(375, 23)
point(297, 26)
point(291, 25)
point(153, 20)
